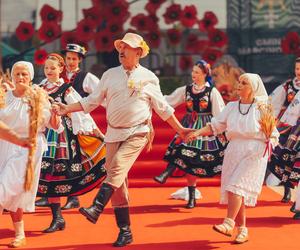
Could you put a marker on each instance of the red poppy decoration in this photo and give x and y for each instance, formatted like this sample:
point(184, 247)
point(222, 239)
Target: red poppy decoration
point(49, 31)
point(143, 23)
point(114, 27)
point(211, 55)
point(192, 43)
point(85, 30)
point(101, 3)
point(153, 5)
point(68, 37)
point(208, 21)
point(104, 41)
point(40, 56)
point(174, 36)
point(290, 44)
point(189, 16)
point(117, 10)
point(49, 14)
point(172, 14)
point(153, 38)
point(185, 63)
point(217, 38)
point(24, 31)
point(94, 14)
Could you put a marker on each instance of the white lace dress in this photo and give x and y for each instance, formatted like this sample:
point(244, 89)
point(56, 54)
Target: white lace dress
point(13, 158)
point(244, 165)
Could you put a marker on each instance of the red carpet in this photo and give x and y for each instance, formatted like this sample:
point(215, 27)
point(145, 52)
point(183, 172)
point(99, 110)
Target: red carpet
point(150, 163)
point(160, 223)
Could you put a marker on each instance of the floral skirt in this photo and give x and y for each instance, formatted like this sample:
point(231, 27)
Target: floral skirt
point(202, 157)
point(285, 160)
point(72, 165)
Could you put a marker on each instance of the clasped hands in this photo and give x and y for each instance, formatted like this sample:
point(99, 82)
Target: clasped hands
point(188, 134)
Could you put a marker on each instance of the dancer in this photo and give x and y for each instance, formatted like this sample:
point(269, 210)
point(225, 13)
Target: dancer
point(131, 92)
point(203, 157)
point(286, 102)
point(74, 161)
point(245, 159)
point(13, 160)
point(84, 84)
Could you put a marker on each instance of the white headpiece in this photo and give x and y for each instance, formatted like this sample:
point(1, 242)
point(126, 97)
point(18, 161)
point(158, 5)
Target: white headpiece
point(257, 84)
point(26, 64)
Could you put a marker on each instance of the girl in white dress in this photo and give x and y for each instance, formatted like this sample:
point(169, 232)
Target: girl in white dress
point(13, 158)
point(245, 162)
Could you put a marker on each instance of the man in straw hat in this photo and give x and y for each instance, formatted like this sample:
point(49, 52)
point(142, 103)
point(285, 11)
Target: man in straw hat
point(131, 92)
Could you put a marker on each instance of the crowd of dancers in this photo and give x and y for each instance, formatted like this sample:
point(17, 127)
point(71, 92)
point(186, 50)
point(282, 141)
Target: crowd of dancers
point(72, 156)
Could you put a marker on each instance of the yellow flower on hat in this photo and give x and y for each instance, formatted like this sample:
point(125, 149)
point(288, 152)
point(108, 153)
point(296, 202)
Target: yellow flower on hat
point(145, 47)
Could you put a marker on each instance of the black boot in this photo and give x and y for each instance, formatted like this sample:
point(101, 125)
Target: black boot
point(192, 198)
point(287, 194)
point(72, 202)
point(43, 202)
point(162, 178)
point(58, 222)
point(296, 216)
point(93, 212)
point(293, 208)
point(123, 222)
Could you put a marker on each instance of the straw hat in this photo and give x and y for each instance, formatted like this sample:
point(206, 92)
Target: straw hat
point(134, 41)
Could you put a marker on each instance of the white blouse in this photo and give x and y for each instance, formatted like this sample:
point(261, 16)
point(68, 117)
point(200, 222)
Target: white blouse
point(81, 122)
point(292, 113)
point(89, 83)
point(178, 97)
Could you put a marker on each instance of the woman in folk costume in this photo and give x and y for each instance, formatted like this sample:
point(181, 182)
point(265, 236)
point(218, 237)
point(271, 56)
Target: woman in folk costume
point(202, 157)
point(245, 158)
point(285, 161)
point(74, 161)
point(13, 160)
point(83, 83)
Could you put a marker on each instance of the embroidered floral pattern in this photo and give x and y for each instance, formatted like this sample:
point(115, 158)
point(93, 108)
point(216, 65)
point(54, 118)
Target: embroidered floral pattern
point(77, 167)
point(61, 189)
point(87, 179)
point(42, 189)
point(207, 157)
point(60, 167)
point(45, 165)
point(188, 153)
point(180, 163)
point(199, 171)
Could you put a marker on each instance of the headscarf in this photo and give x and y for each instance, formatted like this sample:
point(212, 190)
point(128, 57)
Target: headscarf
point(257, 85)
point(207, 70)
point(28, 65)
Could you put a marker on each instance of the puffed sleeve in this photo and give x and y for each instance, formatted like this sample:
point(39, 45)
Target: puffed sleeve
point(177, 97)
point(217, 102)
point(277, 99)
point(292, 112)
point(90, 83)
point(97, 97)
point(157, 100)
point(219, 122)
point(81, 122)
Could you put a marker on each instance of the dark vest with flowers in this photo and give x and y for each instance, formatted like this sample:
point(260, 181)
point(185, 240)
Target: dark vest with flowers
point(199, 102)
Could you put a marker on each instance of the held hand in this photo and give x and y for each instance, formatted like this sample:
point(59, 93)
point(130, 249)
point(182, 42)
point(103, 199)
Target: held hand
point(59, 108)
point(97, 132)
point(184, 132)
point(192, 136)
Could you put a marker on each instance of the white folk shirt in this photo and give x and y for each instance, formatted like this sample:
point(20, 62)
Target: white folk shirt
point(129, 101)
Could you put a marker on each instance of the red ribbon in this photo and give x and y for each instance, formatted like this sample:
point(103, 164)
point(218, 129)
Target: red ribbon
point(268, 149)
